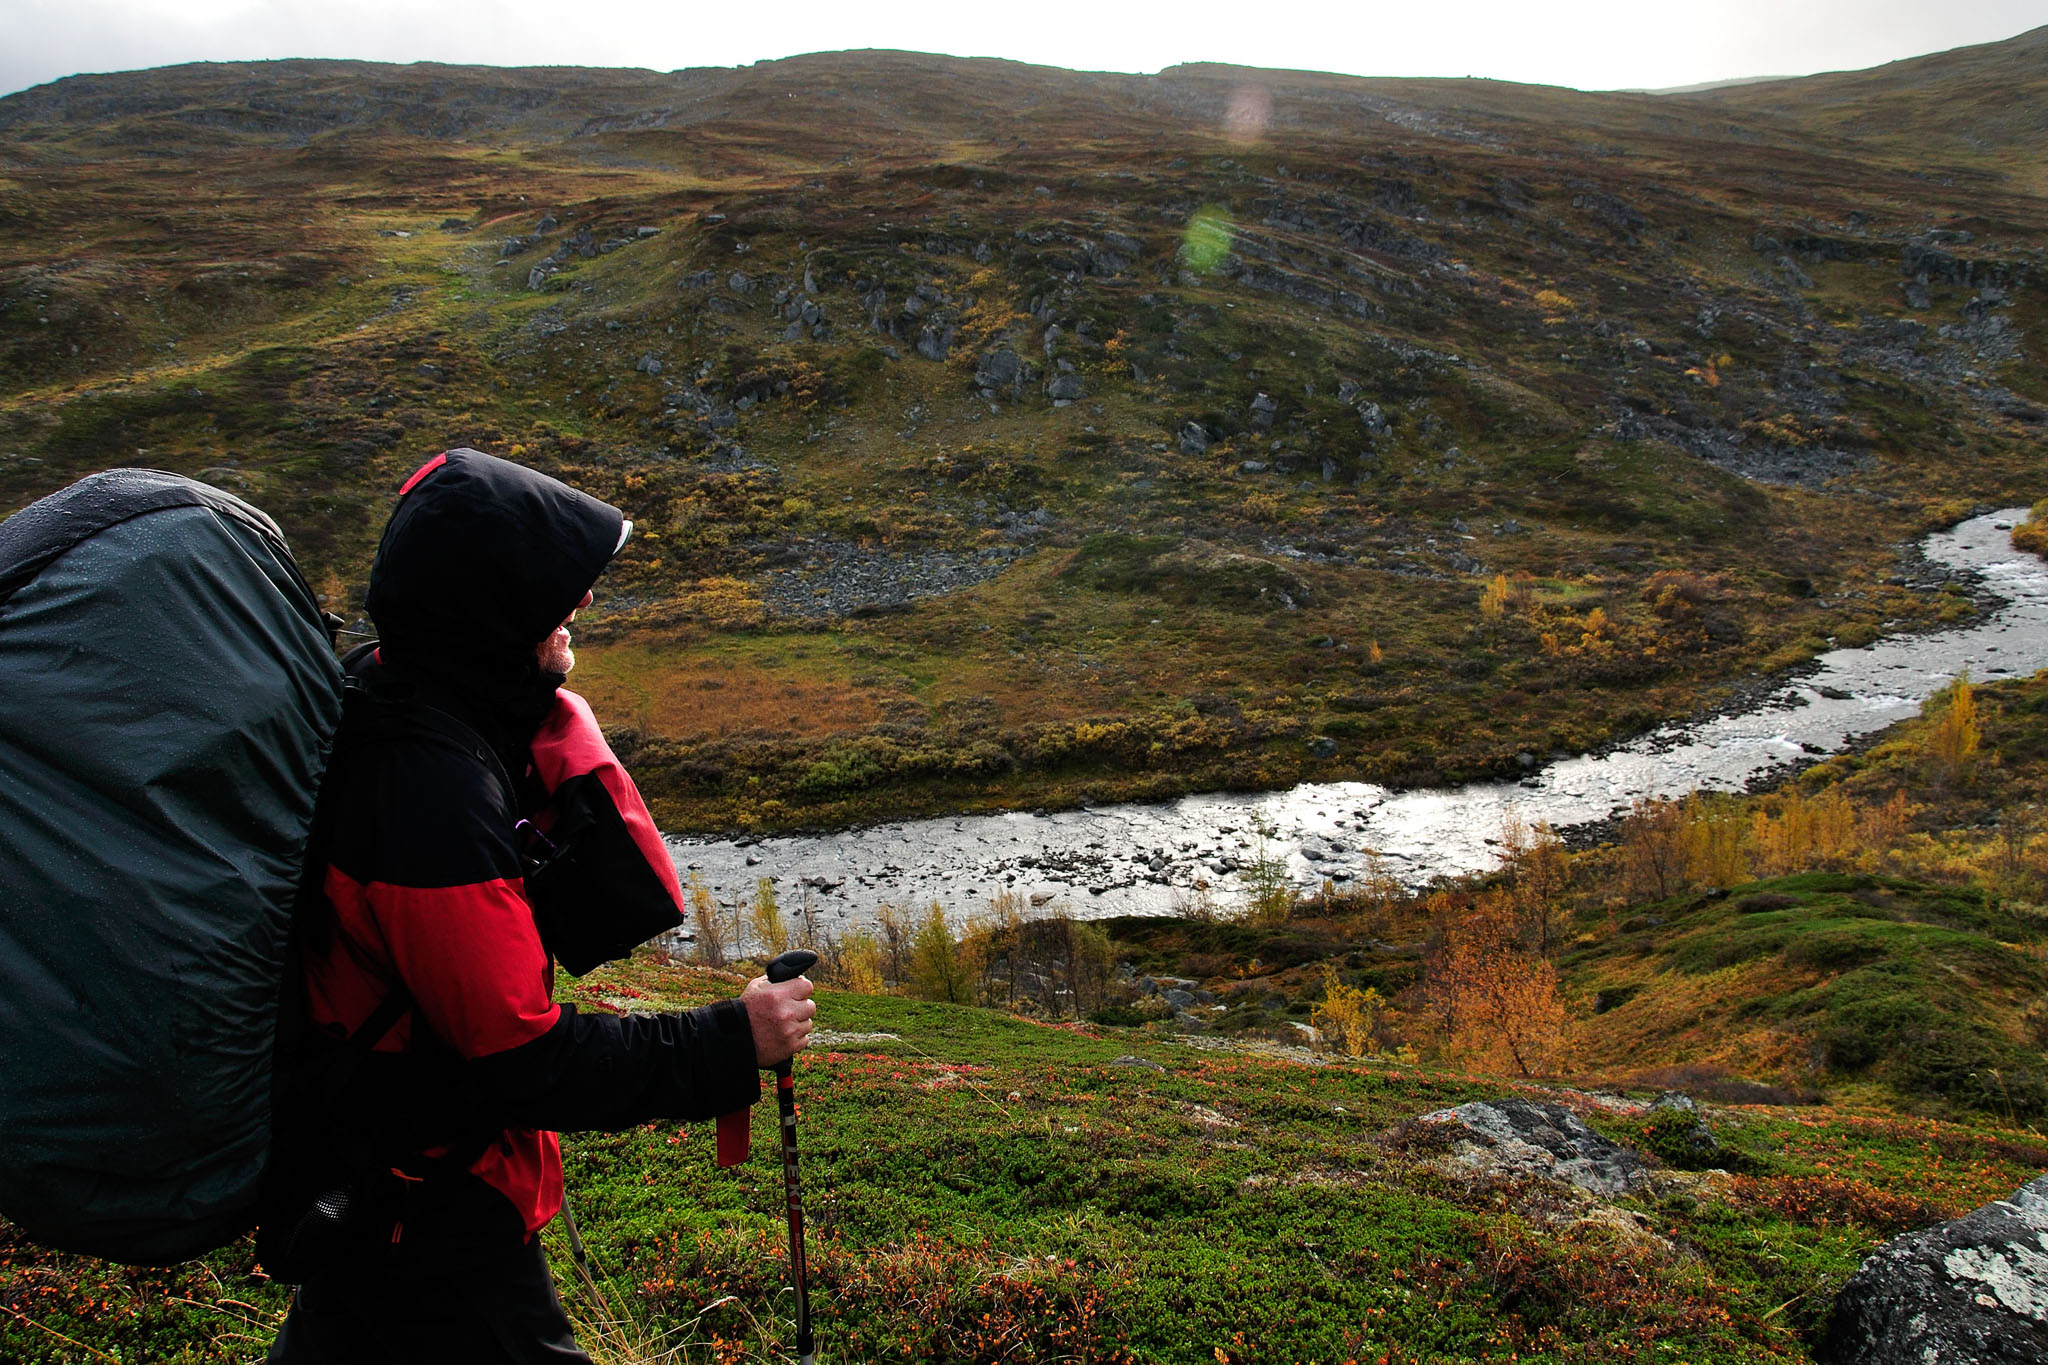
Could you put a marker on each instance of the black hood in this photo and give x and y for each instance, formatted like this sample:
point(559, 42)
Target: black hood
point(483, 558)
point(480, 561)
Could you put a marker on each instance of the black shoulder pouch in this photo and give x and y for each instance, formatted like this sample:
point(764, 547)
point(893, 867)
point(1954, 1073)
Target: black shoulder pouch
point(594, 897)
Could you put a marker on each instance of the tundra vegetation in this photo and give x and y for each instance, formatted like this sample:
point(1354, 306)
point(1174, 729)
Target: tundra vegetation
point(1002, 435)
point(1005, 436)
point(1018, 1146)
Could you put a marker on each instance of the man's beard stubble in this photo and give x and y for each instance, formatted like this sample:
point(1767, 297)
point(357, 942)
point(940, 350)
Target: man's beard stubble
point(555, 655)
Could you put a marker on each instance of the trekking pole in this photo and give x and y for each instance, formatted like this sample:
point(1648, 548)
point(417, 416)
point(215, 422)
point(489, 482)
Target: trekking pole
point(787, 967)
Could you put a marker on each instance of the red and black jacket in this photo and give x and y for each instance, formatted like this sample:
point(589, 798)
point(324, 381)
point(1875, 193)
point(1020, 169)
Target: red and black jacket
point(426, 874)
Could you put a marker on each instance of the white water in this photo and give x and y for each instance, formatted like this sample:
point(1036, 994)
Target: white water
point(1151, 859)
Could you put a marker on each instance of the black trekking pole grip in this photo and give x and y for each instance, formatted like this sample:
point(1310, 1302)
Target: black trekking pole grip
point(788, 967)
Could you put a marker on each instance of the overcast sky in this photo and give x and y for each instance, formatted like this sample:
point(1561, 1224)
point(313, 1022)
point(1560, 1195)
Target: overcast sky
point(1591, 44)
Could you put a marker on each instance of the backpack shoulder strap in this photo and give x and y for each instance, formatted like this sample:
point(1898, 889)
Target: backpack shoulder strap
point(374, 719)
point(367, 719)
point(387, 1014)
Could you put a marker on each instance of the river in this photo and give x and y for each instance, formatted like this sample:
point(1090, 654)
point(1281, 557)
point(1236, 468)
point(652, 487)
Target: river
point(1158, 859)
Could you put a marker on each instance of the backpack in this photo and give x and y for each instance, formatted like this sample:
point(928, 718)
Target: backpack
point(170, 708)
point(169, 698)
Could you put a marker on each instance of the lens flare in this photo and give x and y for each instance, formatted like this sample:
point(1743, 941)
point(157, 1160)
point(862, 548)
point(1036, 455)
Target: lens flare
point(1208, 238)
point(1249, 112)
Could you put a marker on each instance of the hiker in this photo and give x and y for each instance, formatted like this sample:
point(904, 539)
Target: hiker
point(428, 939)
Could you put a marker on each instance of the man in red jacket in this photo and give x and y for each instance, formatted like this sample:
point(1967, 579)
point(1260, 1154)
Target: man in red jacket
point(426, 968)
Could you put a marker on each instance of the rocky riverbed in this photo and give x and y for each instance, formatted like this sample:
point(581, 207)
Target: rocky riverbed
point(1172, 857)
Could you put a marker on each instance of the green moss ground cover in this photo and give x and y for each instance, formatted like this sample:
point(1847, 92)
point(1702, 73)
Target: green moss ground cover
point(987, 1188)
point(1922, 991)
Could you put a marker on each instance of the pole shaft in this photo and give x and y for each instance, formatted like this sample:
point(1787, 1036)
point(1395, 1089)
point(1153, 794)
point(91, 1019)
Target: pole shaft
point(793, 964)
point(792, 1183)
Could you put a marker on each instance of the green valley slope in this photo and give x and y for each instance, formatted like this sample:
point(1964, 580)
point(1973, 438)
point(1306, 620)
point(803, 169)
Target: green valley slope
point(1004, 435)
point(983, 1188)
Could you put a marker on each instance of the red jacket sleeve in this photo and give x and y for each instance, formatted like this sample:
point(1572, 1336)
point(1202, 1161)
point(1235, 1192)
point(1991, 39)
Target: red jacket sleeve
point(427, 878)
point(569, 744)
point(472, 959)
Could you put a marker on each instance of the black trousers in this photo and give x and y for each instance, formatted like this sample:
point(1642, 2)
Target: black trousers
point(495, 1310)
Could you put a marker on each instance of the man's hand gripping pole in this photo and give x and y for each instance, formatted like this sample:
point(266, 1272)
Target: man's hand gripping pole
point(789, 965)
point(733, 1145)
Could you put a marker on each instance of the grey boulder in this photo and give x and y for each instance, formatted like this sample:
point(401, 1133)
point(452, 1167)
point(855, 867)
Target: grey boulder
point(1000, 371)
point(1522, 1137)
point(1970, 1292)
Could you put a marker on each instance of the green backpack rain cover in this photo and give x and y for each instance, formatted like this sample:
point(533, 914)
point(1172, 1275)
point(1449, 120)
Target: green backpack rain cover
point(168, 699)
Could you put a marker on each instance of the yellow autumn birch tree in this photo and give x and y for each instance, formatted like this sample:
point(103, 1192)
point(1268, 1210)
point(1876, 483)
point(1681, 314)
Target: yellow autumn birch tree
point(1498, 1002)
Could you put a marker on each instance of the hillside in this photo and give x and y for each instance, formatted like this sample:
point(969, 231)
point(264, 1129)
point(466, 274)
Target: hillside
point(1984, 107)
point(982, 1188)
point(1862, 1038)
point(1003, 435)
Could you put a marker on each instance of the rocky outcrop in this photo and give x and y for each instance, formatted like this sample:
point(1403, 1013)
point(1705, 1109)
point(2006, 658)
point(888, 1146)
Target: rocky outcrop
point(1112, 254)
point(838, 579)
point(1268, 279)
point(1617, 214)
point(1524, 1138)
point(1759, 461)
point(1001, 373)
point(1970, 1292)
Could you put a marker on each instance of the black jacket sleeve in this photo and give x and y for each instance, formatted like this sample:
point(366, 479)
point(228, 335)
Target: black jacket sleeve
point(603, 1072)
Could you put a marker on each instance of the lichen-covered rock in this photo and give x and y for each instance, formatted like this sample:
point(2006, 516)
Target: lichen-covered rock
point(1970, 1292)
point(1000, 373)
point(1521, 1137)
point(1065, 388)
